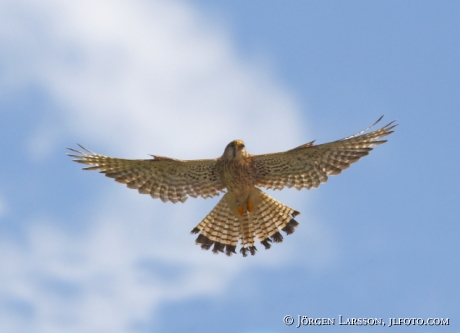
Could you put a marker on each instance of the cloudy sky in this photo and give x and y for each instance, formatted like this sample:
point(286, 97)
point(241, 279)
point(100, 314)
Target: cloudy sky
point(81, 253)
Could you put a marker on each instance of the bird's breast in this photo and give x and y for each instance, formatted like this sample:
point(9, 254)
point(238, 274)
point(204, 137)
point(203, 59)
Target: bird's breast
point(238, 177)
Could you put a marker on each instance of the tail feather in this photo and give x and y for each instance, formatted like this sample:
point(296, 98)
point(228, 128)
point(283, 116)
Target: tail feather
point(223, 229)
point(271, 210)
point(219, 227)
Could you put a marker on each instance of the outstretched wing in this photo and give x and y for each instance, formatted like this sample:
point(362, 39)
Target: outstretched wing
point(161, 177)
point(308, 165)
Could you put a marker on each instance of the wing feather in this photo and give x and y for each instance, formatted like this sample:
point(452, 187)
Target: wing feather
point(308, 165)
point(161, 177)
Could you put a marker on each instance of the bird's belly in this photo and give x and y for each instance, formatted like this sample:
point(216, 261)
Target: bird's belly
point(241, 195)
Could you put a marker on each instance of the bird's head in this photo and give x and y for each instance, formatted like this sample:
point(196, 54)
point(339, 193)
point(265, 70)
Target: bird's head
point(235, 150)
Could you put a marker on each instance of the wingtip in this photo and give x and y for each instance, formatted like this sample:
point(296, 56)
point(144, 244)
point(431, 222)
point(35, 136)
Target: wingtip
point(74, 150)
point(391, 125)
point(84, 151)
point(387, 127)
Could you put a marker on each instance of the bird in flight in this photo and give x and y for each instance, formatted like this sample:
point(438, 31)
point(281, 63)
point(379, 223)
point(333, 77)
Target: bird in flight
point(245, 211)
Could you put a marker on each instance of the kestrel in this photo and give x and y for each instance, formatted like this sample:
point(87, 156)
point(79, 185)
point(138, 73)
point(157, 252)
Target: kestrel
point(244, 212)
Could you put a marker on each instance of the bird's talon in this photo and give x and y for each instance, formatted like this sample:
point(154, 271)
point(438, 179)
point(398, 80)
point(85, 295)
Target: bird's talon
point(240, 210)
point(249, 206)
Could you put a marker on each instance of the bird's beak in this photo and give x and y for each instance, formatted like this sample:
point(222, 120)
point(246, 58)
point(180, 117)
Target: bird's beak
point(240, 144)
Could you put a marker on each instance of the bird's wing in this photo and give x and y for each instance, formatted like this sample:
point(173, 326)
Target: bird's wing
point(161, 177)
point(308, 165)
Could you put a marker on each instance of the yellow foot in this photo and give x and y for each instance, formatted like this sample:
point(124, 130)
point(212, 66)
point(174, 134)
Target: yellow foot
point(249, 206)
point(240, 210)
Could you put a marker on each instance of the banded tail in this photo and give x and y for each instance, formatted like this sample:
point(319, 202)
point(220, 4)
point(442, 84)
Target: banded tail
point(223, 229)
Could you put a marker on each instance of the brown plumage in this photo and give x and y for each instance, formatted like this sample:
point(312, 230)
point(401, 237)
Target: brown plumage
point(244, 212)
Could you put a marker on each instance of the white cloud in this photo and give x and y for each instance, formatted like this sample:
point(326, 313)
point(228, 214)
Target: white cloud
point(131, 78)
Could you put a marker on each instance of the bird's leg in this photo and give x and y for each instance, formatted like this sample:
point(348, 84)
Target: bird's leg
point(248, 208)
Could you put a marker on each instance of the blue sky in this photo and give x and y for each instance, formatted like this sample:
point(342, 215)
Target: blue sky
point(80, 253)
